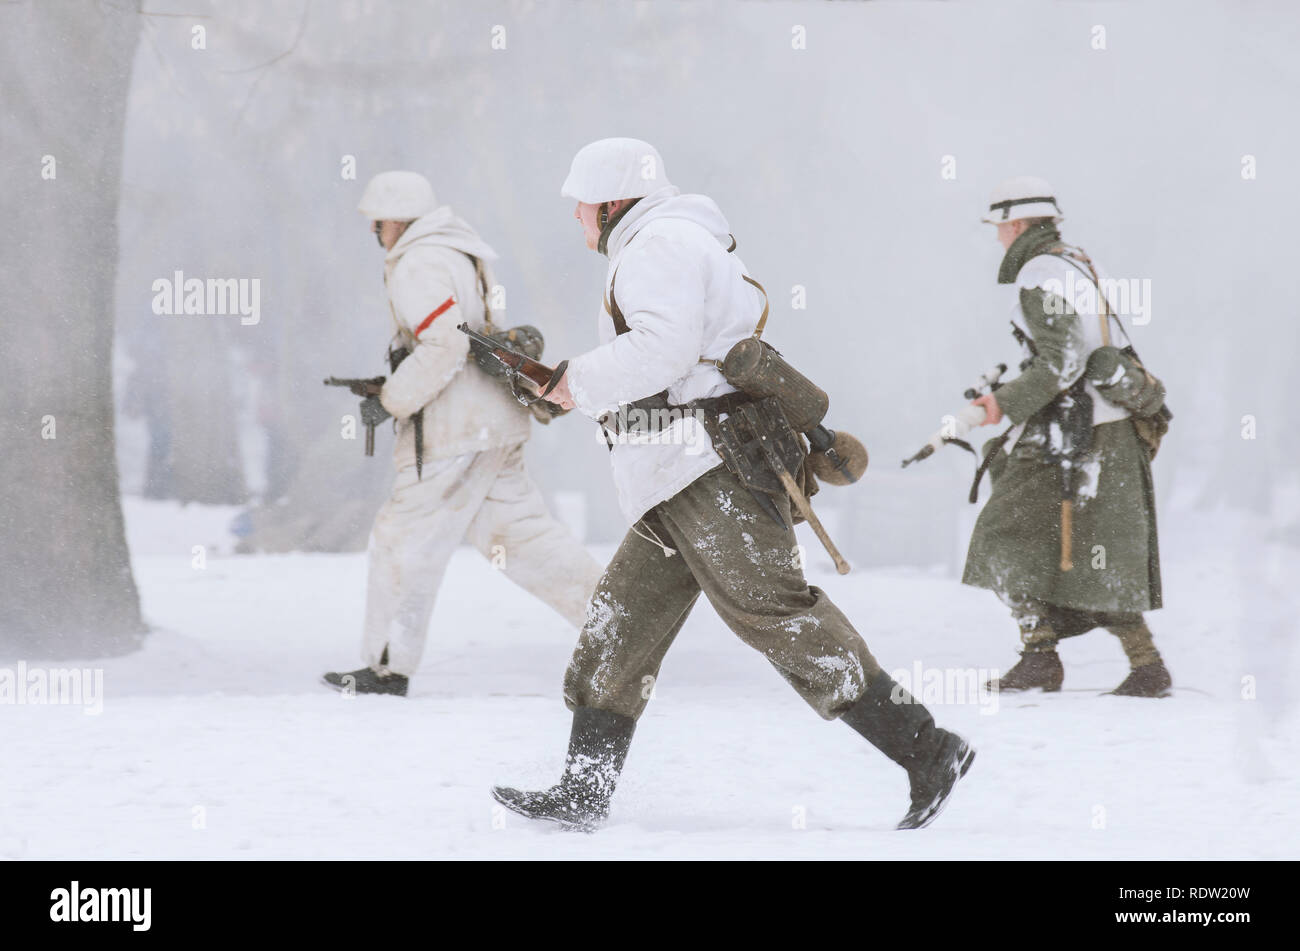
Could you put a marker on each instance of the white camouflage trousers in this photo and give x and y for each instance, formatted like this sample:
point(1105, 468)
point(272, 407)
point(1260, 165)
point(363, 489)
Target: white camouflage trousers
point(487, 499)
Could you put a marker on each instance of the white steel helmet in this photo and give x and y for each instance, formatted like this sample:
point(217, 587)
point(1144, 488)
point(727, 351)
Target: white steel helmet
point(610, 169)
point(1022, 197)
point(397, 196)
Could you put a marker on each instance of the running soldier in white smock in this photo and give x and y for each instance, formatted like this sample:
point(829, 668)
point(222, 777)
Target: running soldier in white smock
point(459, 451)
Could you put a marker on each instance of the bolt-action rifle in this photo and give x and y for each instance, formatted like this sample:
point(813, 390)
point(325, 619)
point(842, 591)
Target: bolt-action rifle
point(964, 420)
point(1070, 415)
point(541, 378)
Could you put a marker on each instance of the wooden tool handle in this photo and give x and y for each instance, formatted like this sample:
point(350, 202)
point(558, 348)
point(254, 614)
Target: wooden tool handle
point(1067, 529)
point(801, 503)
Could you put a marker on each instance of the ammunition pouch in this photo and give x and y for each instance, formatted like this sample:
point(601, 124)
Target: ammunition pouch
point(1122, 380)
point(740, 439)
point(1119, 374)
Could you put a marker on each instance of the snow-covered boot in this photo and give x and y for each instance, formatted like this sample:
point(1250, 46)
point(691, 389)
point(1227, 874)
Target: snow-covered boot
point(898, 725)
point(598, 746)
point(1149, 680)
point(368, 680)
point(1035, 669)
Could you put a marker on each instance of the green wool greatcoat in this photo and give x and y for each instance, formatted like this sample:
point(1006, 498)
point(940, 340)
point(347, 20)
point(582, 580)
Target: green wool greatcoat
point(1015, 549)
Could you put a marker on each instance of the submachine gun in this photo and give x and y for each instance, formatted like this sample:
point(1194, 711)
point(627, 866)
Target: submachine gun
point(361, 388)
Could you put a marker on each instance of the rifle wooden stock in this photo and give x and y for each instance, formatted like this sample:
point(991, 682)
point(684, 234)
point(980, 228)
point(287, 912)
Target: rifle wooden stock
point(544, 378)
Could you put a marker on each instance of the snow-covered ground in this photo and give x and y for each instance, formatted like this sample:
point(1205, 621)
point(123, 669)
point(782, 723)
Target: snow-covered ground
point(217, 741)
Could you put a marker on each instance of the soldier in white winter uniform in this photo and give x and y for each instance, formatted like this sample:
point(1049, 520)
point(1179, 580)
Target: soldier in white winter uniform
point(677, 300)
point(469, 482)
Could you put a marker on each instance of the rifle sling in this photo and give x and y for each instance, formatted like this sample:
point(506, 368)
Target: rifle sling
point(984, 465)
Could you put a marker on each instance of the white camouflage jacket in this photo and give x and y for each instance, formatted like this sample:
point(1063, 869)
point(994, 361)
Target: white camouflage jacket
point(684, 299)
point(433, 287)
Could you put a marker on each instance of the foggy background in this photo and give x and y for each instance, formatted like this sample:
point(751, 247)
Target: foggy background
point(827, 161)
point(141, 456)
point(821, 129)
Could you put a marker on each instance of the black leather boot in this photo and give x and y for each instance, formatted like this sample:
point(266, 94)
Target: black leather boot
point(580, 801)
point(368, 680)
point(896, 723)
point(1034, 670)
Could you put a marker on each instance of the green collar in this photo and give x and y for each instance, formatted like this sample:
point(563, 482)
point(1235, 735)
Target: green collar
point(610, 224)
point(1036, 240)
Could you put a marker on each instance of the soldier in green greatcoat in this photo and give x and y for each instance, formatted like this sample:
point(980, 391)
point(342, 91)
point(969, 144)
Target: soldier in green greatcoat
point(1103, 569)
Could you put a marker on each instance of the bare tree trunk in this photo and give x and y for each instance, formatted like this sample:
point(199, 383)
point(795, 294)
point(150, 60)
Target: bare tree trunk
point(65, 575)
point(204, 459)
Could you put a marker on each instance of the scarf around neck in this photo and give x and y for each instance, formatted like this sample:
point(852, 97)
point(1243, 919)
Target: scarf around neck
point(1036, 240)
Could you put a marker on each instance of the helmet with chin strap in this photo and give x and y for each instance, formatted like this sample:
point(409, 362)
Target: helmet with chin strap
point(609, 170)
point(1022, 197)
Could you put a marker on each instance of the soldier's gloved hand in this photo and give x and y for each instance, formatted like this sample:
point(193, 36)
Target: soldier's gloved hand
point(544, 411)
point(373, 412)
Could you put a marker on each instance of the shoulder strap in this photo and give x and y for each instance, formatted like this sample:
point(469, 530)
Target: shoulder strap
point(762, 320)
point(481, 273)
point(620, 322)
point(1105, 314)
point(615, 312)
point(1079, 258)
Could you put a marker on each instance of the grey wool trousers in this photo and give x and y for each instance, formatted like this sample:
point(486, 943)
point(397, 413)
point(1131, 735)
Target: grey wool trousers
point(749, 569)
